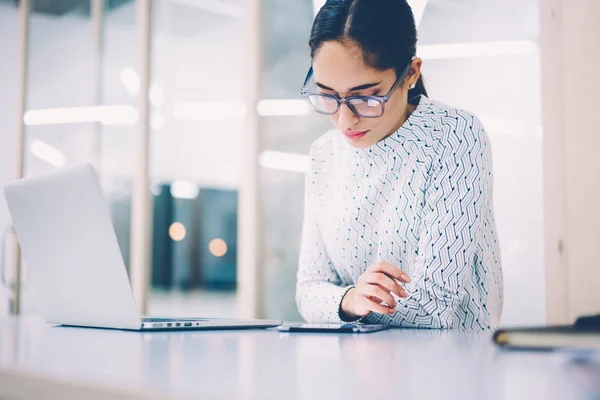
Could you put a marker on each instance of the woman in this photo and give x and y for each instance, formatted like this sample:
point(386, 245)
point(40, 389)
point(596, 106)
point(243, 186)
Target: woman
point(399, 226)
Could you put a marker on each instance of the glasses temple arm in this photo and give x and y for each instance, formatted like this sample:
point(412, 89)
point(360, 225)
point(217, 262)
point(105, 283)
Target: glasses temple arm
point(308, 75)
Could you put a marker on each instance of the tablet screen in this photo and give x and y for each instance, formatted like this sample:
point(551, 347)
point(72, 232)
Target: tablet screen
point(349, 328)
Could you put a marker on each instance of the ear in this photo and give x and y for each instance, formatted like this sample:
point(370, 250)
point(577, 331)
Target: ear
point(414, 72)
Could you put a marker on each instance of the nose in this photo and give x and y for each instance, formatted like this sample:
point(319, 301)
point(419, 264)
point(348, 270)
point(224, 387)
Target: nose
point(346, 118)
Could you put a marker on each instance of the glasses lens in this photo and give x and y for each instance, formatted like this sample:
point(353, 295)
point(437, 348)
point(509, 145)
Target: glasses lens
point(366, 106)
point(323, 104)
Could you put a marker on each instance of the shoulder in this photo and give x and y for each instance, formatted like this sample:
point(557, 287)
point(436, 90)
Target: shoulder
point(320, 158)
point(453, 130)
point(329, 154)
point(323, 150)
point(323, 145)
point(450, 122)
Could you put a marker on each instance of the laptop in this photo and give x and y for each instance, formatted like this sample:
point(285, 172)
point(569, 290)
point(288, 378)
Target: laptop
point(70, 247)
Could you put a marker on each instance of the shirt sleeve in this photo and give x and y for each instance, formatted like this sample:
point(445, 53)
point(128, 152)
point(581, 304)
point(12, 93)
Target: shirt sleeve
point(319, 289)
point(459, 186)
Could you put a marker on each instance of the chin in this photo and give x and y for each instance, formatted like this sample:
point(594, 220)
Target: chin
point(359, 144)
point(362, 143)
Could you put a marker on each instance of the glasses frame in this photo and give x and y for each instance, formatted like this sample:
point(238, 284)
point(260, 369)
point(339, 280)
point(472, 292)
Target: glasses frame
point(382, 100)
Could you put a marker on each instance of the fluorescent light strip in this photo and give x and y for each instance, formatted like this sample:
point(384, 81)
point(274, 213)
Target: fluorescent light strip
point(476, 50)
point(127, 115)
point(282, 107)
point(108, 115)
point(209, 111)
point(502, 126)
point(45, 152)
point(282, 161)
point(184, 190)
point(237, 110)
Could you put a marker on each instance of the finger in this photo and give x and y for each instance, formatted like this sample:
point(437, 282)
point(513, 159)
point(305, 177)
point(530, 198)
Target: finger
point(376, 291)
point(402, 294)
point(379, 301)
point(390, 270)
point(395, 272)
point(373, 305)
point(384, 281)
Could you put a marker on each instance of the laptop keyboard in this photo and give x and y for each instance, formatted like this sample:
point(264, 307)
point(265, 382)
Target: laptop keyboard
point(159, 320)
point(170, 319)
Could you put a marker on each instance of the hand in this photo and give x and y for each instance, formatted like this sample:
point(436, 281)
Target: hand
point(375, 286)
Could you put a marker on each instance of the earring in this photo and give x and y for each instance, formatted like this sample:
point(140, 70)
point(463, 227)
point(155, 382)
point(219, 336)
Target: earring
point(412, 86)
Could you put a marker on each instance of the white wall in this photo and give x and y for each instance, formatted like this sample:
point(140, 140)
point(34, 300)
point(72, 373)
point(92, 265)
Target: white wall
point(571, 85)
point(8, 112)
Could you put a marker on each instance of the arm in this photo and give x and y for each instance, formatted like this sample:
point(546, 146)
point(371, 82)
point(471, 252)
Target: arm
point(458, 190)
point(319, 289)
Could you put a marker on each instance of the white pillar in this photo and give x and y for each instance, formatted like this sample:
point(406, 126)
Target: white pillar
point(24, 9)
point(141, 202)
point(250, 262)
point(571, 121)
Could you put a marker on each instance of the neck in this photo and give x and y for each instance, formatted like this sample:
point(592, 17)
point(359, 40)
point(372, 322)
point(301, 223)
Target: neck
point(407, 111)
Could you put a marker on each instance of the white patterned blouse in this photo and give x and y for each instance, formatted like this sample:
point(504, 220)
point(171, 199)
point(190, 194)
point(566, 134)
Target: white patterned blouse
point(420, 199)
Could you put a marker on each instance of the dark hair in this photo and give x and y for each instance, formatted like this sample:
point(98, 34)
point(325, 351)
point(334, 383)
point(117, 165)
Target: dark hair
point(384, 30)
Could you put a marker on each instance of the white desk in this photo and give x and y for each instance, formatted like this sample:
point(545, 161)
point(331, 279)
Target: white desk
point(396, 364)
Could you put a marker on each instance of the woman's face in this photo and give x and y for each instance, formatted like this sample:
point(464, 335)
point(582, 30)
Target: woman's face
point(339, 69)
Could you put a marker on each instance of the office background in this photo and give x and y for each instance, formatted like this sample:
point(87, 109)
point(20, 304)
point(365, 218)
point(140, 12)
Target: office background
point(211, 135)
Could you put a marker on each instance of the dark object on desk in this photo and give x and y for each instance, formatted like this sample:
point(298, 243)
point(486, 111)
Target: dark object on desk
point(584, 334)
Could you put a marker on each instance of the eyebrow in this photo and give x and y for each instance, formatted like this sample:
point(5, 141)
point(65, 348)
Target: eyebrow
point(354, 89)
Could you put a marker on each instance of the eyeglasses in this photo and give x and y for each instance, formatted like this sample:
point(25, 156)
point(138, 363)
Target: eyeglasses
point(362, 106)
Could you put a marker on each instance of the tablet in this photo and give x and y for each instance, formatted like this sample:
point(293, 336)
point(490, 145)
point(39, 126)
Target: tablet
point(332, 328)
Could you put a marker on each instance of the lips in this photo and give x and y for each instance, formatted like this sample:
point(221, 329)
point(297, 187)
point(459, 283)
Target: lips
point(355, 135)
